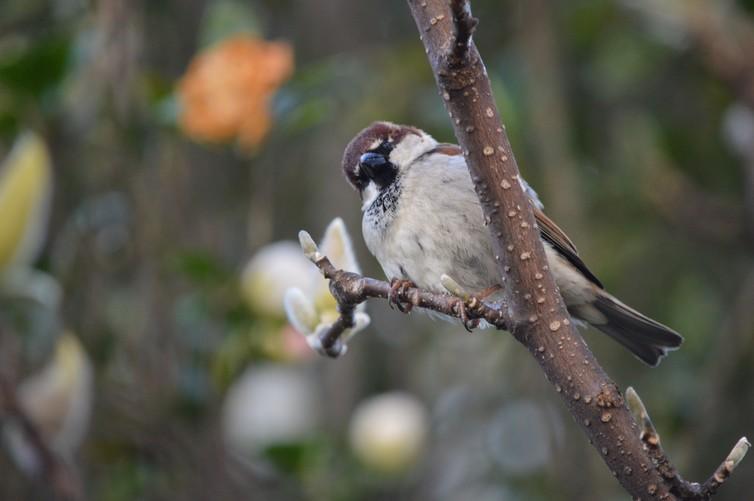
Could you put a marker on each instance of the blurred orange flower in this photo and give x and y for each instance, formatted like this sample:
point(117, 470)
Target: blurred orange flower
point(226, 90)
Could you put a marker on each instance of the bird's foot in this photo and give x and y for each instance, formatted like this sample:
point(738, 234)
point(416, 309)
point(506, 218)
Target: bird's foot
point(463, 312)
point(398, 288)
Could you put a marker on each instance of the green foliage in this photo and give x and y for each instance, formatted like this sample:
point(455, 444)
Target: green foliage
point(224, 18)
point(35, 69)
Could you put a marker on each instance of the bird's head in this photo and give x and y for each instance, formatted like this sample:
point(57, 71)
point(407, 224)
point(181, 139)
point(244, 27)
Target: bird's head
point(381, 152)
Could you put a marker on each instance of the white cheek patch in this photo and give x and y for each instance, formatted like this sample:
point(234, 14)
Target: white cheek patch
point(410, 148)
point(369, 194)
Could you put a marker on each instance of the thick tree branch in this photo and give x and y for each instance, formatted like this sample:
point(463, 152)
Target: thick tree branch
point(464, 24)
point(592, 398)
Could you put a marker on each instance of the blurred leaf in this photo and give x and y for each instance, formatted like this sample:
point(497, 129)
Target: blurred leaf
point(308, 114)
point(624, 64)
point(195, 392)
point(260, 339)
point(695, 311)
point(167, 110)
point(127, 480)
point(308, 99)
point(200, 267)
point(509, 107)
point(8, 123)
point(587, 20)
point(294, 457)
point(224, 18)
point(36, 69)
point(157, 88)
point(25, 192)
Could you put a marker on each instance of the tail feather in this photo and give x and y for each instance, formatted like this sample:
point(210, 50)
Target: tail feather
point(648, 339)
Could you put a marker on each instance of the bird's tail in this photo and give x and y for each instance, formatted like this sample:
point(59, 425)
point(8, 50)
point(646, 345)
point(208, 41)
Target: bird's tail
point(649, 340)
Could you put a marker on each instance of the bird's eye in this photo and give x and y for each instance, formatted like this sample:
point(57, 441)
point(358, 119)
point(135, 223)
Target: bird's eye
point(376, 166)
point(373, 160)
point(384, 148)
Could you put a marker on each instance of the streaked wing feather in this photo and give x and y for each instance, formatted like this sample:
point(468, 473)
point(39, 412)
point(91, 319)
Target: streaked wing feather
point(446, 149)
point(549, 230)
point(563, 245)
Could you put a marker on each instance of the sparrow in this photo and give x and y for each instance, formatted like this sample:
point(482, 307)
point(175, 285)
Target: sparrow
point(422, 219)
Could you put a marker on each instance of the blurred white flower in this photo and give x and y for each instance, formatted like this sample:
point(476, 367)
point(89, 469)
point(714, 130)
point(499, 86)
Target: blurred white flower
point(388, 432)
point(269, 405)
point(25, 192)
point(32, 284)
point(310, 307)
point(58, 400)
point(270, 272)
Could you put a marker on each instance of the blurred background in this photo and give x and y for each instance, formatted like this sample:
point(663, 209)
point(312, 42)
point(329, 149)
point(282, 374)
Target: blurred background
point(159, 159)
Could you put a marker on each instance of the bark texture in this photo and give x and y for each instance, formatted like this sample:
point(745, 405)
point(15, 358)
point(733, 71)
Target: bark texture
point(545, 329)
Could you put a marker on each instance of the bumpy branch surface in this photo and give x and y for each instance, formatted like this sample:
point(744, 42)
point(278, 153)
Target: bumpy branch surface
point(682, 488)
point(545, 329)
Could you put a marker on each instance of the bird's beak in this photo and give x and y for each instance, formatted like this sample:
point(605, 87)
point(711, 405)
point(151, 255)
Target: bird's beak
point(371, 162)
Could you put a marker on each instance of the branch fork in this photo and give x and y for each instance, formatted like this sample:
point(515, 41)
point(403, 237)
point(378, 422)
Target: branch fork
point(692, 491)
point(351, 289)
point(464, 25)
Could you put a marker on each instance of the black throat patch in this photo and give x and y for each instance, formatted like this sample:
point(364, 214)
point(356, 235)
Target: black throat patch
point(382, 210)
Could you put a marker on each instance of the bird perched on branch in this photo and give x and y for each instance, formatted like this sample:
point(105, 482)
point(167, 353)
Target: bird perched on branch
point(422, 219)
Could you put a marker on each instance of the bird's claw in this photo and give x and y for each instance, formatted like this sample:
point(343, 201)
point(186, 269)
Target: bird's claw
point(397, 288)
point(468, 323)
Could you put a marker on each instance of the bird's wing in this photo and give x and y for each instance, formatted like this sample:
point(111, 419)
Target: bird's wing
point(455, 150)
point(556, 237)
point(446, 149)
point(532, 195)
point(549, 231)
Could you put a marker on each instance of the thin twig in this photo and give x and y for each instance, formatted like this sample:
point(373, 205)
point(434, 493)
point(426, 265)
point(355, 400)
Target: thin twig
point(691, 491)
point(330, 339)
point(350, 289)
point(723, 471)
point(463, 24)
